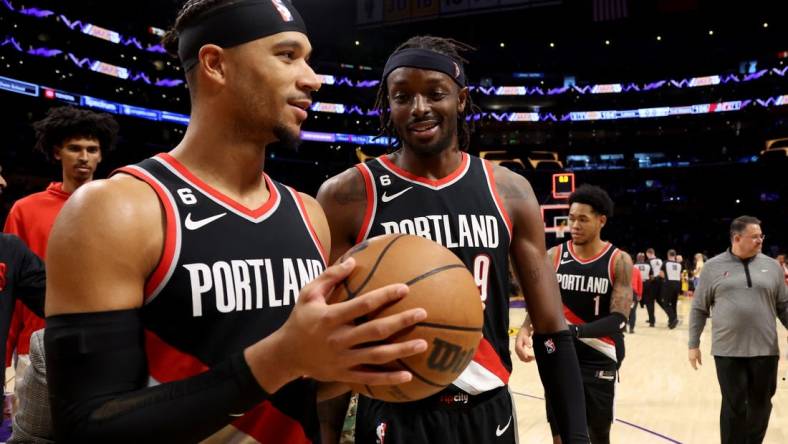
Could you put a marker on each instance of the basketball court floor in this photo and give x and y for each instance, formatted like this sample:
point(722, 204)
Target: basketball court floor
point(660, 399)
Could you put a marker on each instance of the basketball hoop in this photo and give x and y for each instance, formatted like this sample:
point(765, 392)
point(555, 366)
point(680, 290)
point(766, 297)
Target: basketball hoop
point(559, 231)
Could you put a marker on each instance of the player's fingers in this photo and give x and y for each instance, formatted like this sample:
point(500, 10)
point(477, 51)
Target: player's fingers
point(381, 354)
point(378, 329)
point(323, 284)
point(371, 377)
point(348, 311)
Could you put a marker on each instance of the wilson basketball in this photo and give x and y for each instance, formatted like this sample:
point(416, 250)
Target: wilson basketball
point(441, 284)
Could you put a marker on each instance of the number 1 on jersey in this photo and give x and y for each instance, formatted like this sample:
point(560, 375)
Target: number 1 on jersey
point(596, 305)
point(481, 274)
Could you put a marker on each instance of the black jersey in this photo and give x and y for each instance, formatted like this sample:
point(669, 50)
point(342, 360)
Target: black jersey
point(464, 213)
point(228, 277)
point(586, 288)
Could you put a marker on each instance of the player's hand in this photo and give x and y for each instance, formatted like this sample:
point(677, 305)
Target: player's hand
point(524, 344)
point(321, 341)
point(694, 358)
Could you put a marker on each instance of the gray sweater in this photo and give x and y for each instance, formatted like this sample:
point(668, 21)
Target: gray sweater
point(745, 297)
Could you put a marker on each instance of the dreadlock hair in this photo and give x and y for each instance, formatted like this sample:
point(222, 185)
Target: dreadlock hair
point(448, 47)
point(190, 11)
point(63, 123)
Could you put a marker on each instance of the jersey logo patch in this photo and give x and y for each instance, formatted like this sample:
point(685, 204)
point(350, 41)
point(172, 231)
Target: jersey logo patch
point(386, 198)
point(196, 224)
point(500, 431)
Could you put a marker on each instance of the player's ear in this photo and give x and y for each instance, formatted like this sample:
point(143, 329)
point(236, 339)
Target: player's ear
point(462, 100)
point(602, 220)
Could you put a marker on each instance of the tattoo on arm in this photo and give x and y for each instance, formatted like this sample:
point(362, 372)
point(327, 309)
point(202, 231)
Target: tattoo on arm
point(621, 299)
point(508, 188)
point(350, 191)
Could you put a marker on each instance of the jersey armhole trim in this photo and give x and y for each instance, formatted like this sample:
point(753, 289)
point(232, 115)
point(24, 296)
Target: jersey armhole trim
point(172, 233)
point(488, 171)
point(611, 266)
point(369, 212)
point(557, 259)
point(308, 222)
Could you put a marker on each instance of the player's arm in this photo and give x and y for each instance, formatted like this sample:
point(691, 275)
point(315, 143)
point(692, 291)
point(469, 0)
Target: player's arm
point(553, 345)
point(343, 198)
point(100, 252)
point(620, 303)
point(524, 344)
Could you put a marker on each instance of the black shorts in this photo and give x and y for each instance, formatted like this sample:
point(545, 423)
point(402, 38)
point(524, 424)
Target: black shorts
point(599, 392)
point(451, 416)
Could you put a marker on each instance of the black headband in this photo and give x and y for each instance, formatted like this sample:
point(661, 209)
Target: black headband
point(425, 59)
point(237, 23)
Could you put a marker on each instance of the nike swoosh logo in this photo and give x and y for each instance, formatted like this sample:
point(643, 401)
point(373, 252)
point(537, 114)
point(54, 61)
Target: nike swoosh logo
point(566, 262)
point(236, 415)
point(386, 198)
point(195, 224)
point(500, 431)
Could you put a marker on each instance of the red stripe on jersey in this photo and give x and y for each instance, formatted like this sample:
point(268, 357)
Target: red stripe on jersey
point(431, 182)
point(266, 423)
point(170, 230)
point(216, 194)
point(370, 210)
point(308, 222)
point(611, 266)
point(489, 359)
point(498, 201)
point(166, 363)
point(588, 261)
point(575, 319)
point(557, 258)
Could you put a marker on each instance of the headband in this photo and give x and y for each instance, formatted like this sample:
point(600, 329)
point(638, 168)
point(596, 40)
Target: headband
point(236, 23)
point(425, 59)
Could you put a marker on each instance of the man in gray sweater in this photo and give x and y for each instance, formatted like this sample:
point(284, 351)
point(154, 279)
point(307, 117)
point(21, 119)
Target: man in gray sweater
point(746, 291)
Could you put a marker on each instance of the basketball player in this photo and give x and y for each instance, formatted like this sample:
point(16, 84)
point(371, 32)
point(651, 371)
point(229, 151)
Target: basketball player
point(431, 187)
point(173, 307)
point(76, 139)
point(671, 287)
point(595, 281)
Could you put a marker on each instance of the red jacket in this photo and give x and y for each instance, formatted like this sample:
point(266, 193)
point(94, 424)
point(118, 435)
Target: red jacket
point(31, 218)
point(637, 283)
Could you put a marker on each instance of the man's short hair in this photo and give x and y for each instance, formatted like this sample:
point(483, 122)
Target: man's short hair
point(650, 251)
point(740, 224)
point(671, 252)
point(595, 197)
point(65, 122)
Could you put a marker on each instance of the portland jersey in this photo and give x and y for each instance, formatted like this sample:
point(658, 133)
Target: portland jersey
point(586, 288)
point(228, 277)
point(464, 213)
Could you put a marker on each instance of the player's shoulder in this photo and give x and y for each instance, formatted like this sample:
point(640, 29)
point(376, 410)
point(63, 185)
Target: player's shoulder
point(120, 201)
point(347, 186)
point(29, 201)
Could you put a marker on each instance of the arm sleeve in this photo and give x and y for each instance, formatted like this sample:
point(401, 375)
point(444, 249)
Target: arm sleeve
point(559, 371)
point(97, 377)
point(607, 326)
point(701, 304)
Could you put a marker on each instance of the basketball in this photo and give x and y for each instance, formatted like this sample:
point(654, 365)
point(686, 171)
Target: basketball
point(441, 284)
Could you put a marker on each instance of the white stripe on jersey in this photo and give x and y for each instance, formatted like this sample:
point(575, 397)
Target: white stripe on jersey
point(477, 379)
